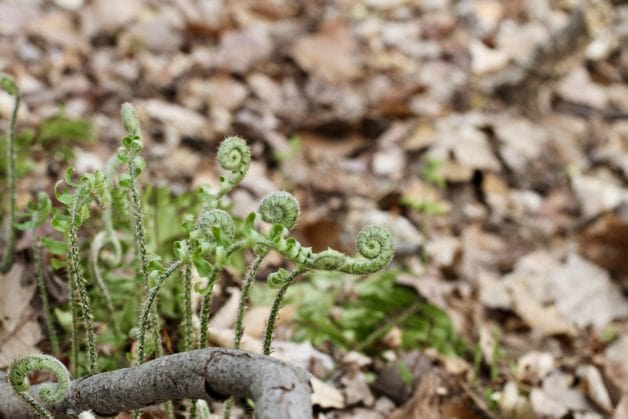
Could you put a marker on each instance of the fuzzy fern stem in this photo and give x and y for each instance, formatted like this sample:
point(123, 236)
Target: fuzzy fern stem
point(78, 279)
point(287, 280)
point(147, 306)
point(8, 84)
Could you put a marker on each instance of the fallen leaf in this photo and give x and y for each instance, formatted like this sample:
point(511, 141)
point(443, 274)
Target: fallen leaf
point(558, 396)
point(534, 366)
point(239, 51)
point(616, 363)
point(585, 295)
point(19, 329)
point(326, 395)
point(356, 390)
point(597, 194)
point(593, 386)
point(329, 55)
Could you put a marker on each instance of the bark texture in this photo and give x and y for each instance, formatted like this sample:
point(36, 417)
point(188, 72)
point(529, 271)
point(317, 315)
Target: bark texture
point(280, 391)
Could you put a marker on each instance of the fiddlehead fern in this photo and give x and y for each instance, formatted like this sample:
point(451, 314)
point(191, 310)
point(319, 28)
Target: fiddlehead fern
point(48, 393)
point(234, 156)
point(8, 85)
point(375, 246)
point(216, 218)
point(280, 208)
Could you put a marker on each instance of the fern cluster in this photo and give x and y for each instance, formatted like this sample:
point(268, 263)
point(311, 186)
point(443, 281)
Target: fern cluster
point(211, 239)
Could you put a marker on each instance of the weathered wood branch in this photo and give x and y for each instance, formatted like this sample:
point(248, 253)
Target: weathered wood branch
point(278, 389)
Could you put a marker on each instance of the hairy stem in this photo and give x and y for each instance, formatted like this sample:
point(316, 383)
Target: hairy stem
point(138, 219)
point(146, 308)
point(7, 258)
point(206, 308)
point(188, 343)
point(239, 328)
point(244, 296)
point(274, 311)
point(79, 281)
point(74, 333)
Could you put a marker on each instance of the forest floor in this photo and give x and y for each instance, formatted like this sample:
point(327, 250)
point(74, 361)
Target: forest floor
point(490, 136)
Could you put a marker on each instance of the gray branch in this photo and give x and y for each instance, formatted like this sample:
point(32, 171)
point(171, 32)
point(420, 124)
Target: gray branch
point(278, 389)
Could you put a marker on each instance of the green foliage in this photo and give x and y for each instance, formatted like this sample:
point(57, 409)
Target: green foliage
point(432, 173)
point(338, 309)
point(61, 129)
point(136, 245)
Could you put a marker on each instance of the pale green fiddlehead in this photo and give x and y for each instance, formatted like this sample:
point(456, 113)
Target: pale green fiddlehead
point(8, 85)
point(376, 246)
point(280, 208)
point(218, 218)
point(48, 393)
point(234, 156)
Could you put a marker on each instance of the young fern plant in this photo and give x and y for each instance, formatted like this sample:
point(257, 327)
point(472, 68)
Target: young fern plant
point(48, 393)
point(89, 186)
point(211, 238)
point(128, 154)
point(8, 85)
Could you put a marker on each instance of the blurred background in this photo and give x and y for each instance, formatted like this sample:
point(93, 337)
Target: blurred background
point(490, 136)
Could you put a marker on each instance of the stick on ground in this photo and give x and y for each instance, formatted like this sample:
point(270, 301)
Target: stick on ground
point(279, 390)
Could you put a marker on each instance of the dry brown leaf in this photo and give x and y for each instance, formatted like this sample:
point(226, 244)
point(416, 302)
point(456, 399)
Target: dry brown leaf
point(585, 295)
point(255, 320)
point(598, 194)
point(425, 402)
point(616, 363)
point(326, 395)
point(19, 329)
point(593, 386)
point(621, 411)
point(356, 390)
point(240, 51)
point(329, 55)
point(558, 396)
